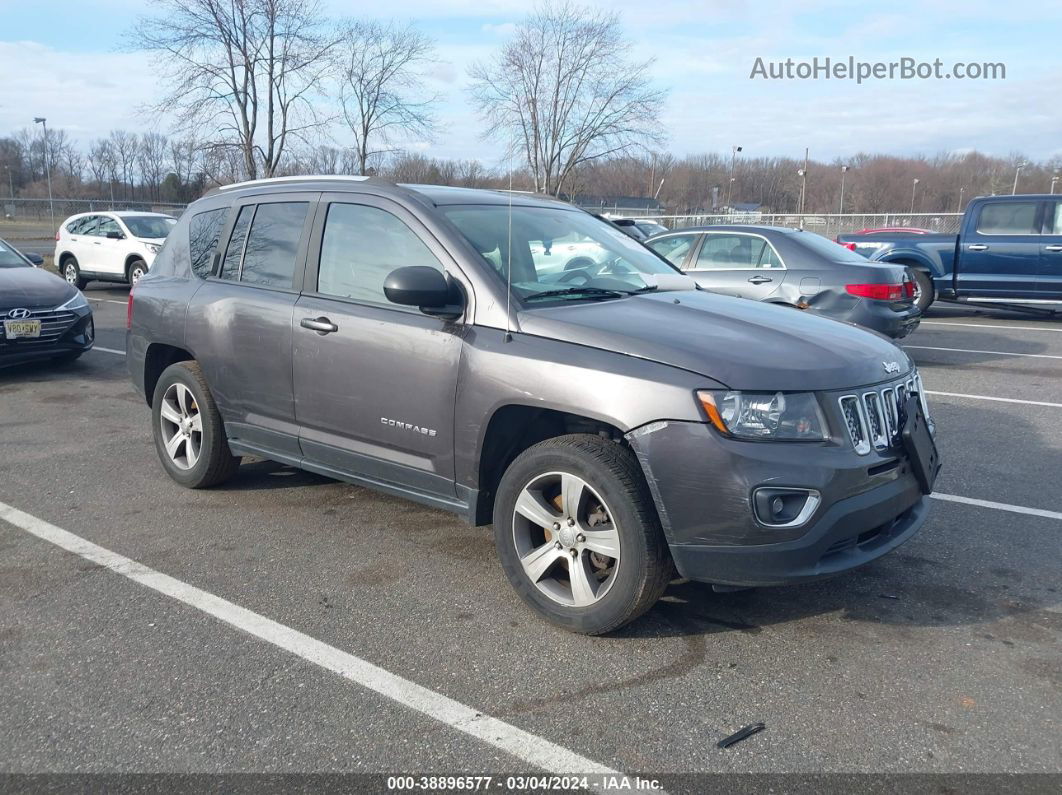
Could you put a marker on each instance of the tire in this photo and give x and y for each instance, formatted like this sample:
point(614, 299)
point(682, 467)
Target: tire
point(202, 458)
point(72, 273)
point(925, 291)
point(136, 269)
point(615, 511)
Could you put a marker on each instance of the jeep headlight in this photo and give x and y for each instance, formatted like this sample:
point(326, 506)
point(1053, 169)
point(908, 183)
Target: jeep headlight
point(771, 416)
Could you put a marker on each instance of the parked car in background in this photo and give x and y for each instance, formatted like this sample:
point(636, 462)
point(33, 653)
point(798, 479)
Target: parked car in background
point(41, 316)
point(862, 242)
point(639, 228)
point(613, 422)
point(796, 268)
point(1008, 251)
point(109, 246)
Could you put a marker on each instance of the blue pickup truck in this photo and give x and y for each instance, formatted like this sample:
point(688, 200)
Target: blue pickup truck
point(1008, 251)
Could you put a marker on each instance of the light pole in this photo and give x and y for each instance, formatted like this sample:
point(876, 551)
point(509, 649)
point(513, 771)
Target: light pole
point(10, 181)
point(1054, 181)
point(733, 164)
point(47, 166)
point(914, 187)
point(1017, 173)
point(840, 209)
point(803, 174)
point(962, 188)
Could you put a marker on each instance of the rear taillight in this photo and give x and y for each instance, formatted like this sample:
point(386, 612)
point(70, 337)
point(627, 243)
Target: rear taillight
point(909, 289)
point(877, 292)
point(849, 246)
point(56, 235)
point(129, 311)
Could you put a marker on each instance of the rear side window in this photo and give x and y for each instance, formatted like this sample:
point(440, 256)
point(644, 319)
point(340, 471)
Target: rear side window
point(230, 269)
point(361, 246)
point(1054, 218)
point(269, 256)
point(203, 233)
point(1008, 218)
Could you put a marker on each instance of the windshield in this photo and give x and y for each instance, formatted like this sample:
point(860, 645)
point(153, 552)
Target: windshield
point(556, 253)
point(10, 259)
point(156, 226)
point(825, 247)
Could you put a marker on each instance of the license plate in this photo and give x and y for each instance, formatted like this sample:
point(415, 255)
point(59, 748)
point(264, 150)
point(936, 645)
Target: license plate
point(919, 445)
point(14, 329)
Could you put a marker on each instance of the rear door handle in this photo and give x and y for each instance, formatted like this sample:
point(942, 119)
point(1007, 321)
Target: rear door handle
point(321, 325)
point(761, 279)
point(1053, 248)
point(978, 247)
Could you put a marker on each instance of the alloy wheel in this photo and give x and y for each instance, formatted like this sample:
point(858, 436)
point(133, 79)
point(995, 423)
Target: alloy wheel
point(182, 426)
point(567, 542)
point(70, 273)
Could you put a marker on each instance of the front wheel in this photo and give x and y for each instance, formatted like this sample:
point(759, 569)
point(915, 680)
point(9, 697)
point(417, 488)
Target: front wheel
point(925, 293)
point(578, 535)
point(189, 434)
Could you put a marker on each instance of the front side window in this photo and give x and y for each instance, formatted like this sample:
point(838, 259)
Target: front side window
point(269, 256)
point(1007, 218)
point(674, 249)
point(203, 232)
point(587, 258)
point(108, 226)
point(1054, 219)
point(360, 247)
point(730, 252)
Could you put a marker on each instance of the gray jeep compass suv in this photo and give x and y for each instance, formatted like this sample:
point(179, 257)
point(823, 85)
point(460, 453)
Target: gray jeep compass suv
point(517, 361)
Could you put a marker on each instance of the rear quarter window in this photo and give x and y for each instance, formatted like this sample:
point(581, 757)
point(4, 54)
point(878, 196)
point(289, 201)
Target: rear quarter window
point(204, 230)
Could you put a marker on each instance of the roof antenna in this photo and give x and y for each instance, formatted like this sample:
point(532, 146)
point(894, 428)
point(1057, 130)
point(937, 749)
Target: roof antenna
point(509, 268)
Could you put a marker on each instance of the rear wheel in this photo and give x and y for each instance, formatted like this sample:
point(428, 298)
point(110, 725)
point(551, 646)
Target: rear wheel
point(72, 273)
point(137, 268)
point(925, 293)
point(578, 536)
point(189, 434)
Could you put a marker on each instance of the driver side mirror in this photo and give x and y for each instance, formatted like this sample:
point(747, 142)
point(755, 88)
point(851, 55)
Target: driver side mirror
point(36, 259)
point(115, 236)
point(426, 288)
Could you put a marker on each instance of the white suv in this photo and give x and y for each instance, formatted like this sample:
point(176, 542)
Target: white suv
point(113, 246)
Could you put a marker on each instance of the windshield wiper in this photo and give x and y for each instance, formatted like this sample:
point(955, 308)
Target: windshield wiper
point(595, 292)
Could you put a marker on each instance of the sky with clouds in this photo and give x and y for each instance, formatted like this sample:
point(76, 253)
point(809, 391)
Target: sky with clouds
point(70, 60)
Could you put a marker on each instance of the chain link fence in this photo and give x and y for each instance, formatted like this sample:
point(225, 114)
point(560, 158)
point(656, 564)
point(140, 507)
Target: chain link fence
point(42, 209)
point(827, 224)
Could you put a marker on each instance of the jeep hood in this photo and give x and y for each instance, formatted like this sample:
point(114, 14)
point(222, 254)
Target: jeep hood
point(740, 343)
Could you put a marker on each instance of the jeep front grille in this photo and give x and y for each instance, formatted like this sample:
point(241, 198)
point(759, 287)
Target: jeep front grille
point(873, 418)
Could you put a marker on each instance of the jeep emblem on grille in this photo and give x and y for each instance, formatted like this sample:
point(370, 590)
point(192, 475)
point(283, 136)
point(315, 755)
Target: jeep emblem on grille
point(891, 367)
point(18, 314)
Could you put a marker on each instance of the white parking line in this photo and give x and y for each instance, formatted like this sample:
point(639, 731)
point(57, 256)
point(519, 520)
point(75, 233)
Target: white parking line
point(987, 325)
point(999, 506)
point(523, 745)
point(993, 353)
point(998, 399)
point(108, 350)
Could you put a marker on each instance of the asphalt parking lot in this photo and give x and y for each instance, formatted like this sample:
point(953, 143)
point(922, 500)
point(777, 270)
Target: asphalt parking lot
point(943, 657)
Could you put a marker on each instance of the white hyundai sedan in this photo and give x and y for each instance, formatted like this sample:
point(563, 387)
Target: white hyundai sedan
point(109, 246)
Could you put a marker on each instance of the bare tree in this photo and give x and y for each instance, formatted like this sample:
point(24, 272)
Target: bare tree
point(184, 157)
point(567, 93)
point(380, 70)
point(151, 157)
point(125, 146)
point(102, 163)
point(247, 67)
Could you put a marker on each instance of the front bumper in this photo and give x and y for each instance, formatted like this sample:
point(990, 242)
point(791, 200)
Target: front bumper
point(702, 485)
point(71, 335)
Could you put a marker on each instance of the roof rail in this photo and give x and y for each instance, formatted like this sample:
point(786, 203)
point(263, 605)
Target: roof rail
point(271, 180)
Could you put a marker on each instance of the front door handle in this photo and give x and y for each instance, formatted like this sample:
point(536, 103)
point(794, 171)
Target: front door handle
point(321, 325)
point(761, 279)
point(978, 247)
point(1054, 248)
